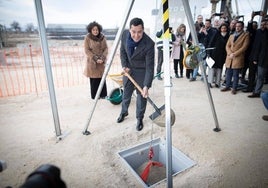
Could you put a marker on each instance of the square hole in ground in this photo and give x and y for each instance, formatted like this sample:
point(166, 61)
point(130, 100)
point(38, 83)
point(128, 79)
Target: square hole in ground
point(136, 158)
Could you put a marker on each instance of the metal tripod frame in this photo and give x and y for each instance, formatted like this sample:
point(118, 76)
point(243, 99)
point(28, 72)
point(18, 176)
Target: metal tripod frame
point(200, 60)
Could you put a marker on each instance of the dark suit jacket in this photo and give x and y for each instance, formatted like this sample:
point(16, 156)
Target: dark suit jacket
point(260, 50)
point(141, 63)
point(219, 53)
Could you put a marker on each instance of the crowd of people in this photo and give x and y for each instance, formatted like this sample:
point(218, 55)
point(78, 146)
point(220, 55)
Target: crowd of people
point(242, 50)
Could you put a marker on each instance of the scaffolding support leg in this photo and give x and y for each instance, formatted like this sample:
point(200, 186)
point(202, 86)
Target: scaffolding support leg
point(200, 60)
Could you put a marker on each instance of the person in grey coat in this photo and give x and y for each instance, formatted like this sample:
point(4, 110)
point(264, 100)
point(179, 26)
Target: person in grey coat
point(137, 58)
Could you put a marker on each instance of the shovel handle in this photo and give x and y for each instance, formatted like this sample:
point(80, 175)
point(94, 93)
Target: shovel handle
point(140, 90)
point(133, 81)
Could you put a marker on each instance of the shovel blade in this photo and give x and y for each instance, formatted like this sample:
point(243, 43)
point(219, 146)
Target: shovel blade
point(156, 114)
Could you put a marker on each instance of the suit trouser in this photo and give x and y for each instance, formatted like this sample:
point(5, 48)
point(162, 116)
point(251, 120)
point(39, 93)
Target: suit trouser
point(127, 94)
point(160, 60)
point(260, 78)
point(217, 72)
point(177, 62)
point(252, 70)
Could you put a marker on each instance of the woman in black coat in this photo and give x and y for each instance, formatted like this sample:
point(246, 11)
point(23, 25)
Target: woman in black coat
point(218, 54)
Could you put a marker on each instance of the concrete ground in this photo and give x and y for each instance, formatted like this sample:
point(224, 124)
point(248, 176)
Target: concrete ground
point(234, 157)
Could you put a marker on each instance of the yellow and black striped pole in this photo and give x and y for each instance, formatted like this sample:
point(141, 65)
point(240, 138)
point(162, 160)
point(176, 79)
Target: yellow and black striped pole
point(165, 18)
point(167, 85)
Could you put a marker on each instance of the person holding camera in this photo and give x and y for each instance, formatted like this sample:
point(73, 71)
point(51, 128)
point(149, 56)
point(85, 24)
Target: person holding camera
point(205, 36)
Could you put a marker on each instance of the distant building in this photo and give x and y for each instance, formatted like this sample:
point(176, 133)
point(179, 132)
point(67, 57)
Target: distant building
point(74, 31)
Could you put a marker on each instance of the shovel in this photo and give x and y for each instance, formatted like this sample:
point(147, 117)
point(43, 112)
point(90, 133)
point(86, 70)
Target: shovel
point(158, 117)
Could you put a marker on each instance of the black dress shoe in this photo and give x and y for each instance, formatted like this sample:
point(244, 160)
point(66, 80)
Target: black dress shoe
point(139, 126)
point(122, 117)
point(247, 90)
point(234, 91)
point(225, 89)
point(254, 95)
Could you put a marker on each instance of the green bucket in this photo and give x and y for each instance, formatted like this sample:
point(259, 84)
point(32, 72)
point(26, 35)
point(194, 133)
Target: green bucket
point(115, 96)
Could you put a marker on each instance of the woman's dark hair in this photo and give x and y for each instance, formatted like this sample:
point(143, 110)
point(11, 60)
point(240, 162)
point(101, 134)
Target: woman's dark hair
point(224, 24)
point(93, 24)
point(178, 31)
point(136, 22)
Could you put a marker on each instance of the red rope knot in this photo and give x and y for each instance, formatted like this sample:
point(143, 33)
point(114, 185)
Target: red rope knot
point(151, 153)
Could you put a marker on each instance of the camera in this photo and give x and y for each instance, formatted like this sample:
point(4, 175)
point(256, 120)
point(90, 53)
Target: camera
point(3, 165)
point(45, 176)
point(218, 14)
point(257, 12)
point(240, 16)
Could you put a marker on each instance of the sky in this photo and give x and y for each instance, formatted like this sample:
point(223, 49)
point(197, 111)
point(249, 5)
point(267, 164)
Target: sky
point(109, 13)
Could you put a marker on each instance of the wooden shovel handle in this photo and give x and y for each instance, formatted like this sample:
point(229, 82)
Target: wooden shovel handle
point(140, 90)
point(133, 81)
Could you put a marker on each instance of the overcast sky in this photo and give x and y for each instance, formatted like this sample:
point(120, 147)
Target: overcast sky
point(109, 13)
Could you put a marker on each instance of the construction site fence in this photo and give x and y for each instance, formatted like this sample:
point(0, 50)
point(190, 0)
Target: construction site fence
point(22, 70)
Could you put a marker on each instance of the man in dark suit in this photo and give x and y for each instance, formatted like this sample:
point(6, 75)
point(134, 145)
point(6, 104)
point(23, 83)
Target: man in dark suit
point(137, 58)
point(260, 58)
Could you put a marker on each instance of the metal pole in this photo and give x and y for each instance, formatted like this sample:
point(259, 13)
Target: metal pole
point(45, 50)
point(33, 69)
point(264, 5)
point(200, 60)
point(109, 63)
point(167, 85)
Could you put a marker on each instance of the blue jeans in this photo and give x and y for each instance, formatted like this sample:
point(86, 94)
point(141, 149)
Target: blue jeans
point(264, 97)
point(195, 72)
point(232, 73)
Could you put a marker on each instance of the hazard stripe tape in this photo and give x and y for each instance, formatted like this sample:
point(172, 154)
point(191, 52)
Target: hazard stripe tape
point(165, 19)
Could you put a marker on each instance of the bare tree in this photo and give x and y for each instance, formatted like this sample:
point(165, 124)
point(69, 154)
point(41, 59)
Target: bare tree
point(29, 28)
point(15, 26)
point(3, 36)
